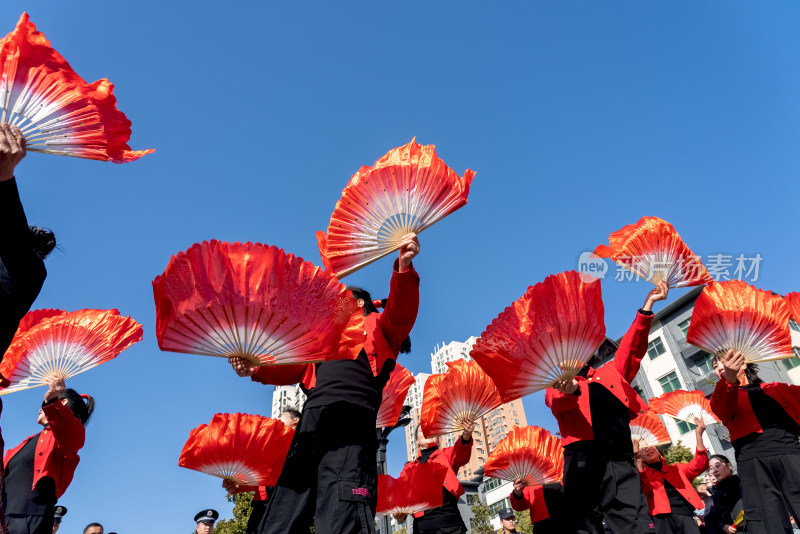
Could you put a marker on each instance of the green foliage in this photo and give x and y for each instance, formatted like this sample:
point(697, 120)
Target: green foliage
point(524, 521)
point(241, 513)
point(678, 453)
point(481, 522)
point(401, 530)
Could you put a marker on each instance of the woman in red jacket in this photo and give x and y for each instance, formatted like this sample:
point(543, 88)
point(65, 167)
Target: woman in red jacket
point(764, 424)
point(446, 519)
point(671, 497)
point(594, 411)
point(39, 470)
point(545, 502)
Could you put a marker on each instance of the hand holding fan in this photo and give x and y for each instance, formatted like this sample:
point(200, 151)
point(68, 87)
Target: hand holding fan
point(649, 431)
point(255, 302)
point(64, 344)
point(246, 449)
point(530, 453)
point(465, 392)
point(57, 111)
point(418, 488)
point(736, 316)
point(653, 250)
point(394, 395)
point(544, 337)
point(684, 406)
point(406, 191)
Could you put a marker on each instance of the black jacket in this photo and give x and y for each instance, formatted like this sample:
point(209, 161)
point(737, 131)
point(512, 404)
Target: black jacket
point(726, 503)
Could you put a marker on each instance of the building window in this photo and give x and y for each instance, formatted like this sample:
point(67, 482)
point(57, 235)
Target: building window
point(684, 427)
point(705, 363)
point(684, 326)
point(793, 325)
point(670, 382)
point(655, 348)
point(793, 362)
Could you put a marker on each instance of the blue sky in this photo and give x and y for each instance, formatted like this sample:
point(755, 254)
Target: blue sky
point(579, 118)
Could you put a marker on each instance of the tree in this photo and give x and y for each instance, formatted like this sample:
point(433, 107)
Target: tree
point(481, 521)
point(524, 522)
point(678, 453)
point(241, 513)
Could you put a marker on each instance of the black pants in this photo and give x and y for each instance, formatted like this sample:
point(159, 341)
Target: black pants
point(30, 524)
point(329, 477)
point(675, 524)
point(597, 488)
point(258, 509)
point(770, 492)
point(455, 529)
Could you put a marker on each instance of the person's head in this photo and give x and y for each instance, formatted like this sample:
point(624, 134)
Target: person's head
point(508, 520)
point(720, 467)
point(44, 241)
point(702, 490)
point(205, 521)
point(82, 406)
point(748, 370)
point(423, 442)
point(58, 513)
point(368, 305)
point(650, 455)
point(290, 417)
point(93, 528)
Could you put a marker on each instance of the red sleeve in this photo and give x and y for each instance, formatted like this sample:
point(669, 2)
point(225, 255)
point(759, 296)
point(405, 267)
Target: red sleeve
point(459, 454)
point(633, 346)
point(400, 314)
point(794, 391)
point(558, 402)
point(724, 399)
point(67, 429)
point(520, 504)
point(697, 465)
point(279, 375)
point(647, 489)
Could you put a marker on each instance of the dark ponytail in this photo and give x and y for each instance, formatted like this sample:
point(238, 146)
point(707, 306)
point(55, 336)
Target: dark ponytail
point(43, 241)
point(369, 307)
point(82, 406)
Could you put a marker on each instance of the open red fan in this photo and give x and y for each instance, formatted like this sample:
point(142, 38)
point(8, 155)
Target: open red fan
point(684, 406)
point(64, 344)
point(247, 449)
point(464, 392)
point(431, 400)
point(736, 316)
point(418, 488)
point(545, 336)
point(57, 111)
point(394, 395)
point(530, 453)
point(648, 429)
point(653, 250)
point(255, 302)
point(407, 190)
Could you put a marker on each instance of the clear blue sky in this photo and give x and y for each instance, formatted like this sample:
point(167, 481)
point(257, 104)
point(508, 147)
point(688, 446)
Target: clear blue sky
point(579, 118)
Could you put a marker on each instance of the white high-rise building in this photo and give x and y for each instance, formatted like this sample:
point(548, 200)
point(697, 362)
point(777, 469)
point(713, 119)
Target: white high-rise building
point(287, 397)
point(414, 399)
point(455, 350)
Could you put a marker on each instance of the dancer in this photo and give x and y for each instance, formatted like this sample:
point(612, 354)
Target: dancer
point(593, 412)
point(445, 519)
point(764, 423)
point(329, 476)
point(671, 497)
point(545, 502)
point(39, 470)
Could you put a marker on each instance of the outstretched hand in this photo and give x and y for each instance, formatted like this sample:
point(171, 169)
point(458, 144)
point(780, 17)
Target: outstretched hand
point(230, 486)
point(469, 427)
point(519, 484)
point(12, 150)
point(700, 425)
point(241, 366)
point(733, 363)
point(659, 293)
point(55, 386)
point(409, 249)
point(567, 387)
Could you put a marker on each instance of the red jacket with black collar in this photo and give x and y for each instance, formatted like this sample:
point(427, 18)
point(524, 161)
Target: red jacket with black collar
point(680, 476)
point(732, 405)
point(454, 458)
point(385, 332)
point(57, 449)
point(573, 412)
point(533, 499)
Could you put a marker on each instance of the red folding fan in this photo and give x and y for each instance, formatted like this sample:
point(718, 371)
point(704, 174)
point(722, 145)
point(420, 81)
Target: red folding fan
point(247, 449)
point(406, 191)
point(431, 400)
point(530, 453)
point(545, 336)
point(418, 488)
point(64, 344)
point(653, 250)
point(736, 316)
point(394, 395)
point(793, 301)
point(464, 392)
point(57, 111)
point(684, 406)
point(649, 431)
point(255, 302)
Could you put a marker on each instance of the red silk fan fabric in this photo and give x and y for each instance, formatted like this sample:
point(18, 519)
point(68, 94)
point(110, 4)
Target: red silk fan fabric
point(530, 453)
point(684, 406)
point(465, 391)
point(394, 395)
point(735, 315)
point(64, 344)
point(256, 302)
point(652, 249)
point(247, 449)
point(793, 301)
point(57, 111)
point(407, 190)
point(431, 400)
point(649, 430)
point(418, 488)
point(545, 336)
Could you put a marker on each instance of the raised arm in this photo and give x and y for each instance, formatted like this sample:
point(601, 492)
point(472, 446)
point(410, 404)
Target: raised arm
point(67, 429)
point(633, 345)
point(699, 463)
point(726, 394)
point(400, 314)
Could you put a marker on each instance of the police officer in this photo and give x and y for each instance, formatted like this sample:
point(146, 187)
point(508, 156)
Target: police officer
point(58, 513)
point(205, 521)
point(508, 522)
